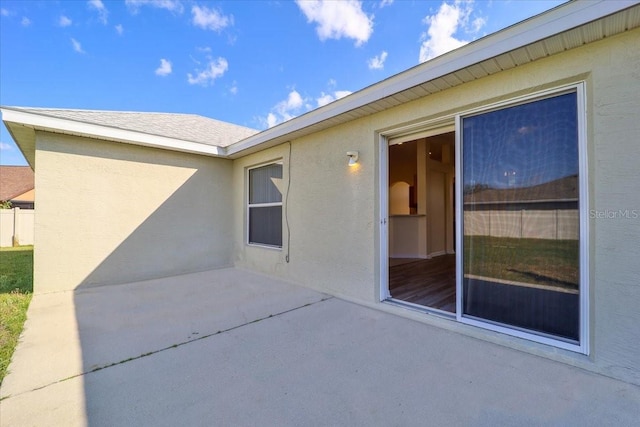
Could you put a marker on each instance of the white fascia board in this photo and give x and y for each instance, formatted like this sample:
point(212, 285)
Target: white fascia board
point(553, 22)
point(72, 127)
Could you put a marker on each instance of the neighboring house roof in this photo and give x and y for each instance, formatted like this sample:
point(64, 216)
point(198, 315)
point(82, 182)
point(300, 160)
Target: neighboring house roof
point(15, 181)
point(560, 190)
point(565, 27)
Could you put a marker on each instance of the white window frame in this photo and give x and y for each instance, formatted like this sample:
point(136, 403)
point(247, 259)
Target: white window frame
point(259, 205)
point(583, 207)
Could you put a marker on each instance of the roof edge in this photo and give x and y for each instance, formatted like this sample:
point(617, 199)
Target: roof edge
point(72, 127)
point(547, 24)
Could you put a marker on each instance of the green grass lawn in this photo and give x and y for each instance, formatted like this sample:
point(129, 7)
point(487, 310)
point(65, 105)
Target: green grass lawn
point(16, 287)
point(535, 261)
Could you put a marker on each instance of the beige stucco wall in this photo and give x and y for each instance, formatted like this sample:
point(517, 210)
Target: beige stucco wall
point(331, 222)
point(114, 213)
point(333, 210)
point(615, 174)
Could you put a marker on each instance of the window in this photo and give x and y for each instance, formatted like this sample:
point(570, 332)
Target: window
point(521, 213)
point(265, 205)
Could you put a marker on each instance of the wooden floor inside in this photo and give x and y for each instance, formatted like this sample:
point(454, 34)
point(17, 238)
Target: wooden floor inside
point(427, 282)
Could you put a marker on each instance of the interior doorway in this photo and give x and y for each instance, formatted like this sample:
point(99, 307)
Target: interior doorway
point(421, 239)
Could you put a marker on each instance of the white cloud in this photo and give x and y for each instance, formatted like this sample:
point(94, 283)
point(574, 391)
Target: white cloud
point(440, 36)
point(119, 29)
point(234, 88)
point(215, 69)
point(286, 109)
point(210, 19)
point(271, 120)
point(326, 98)
point(103, 13)
point(164, 69)
point(338, 19)
point(76, 45)
point(25, 21)
point(64, 21)
point(385, 3)
point(4, 12)
point(377, 62)
point(5, 147)
point(174, 6)
point(295, 104)
point(477, 24)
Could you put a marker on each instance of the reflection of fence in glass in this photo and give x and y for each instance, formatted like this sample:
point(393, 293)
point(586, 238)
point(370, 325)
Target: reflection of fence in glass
point(521, 223)
point(559, 224)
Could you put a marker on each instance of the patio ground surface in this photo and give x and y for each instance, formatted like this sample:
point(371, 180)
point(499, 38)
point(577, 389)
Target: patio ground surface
point(230, 347)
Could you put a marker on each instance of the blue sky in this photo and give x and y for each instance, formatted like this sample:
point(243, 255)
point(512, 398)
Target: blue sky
point(253, 63)
point(523, 145)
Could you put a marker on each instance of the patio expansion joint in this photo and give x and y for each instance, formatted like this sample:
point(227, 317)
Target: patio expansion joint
point(150, 353)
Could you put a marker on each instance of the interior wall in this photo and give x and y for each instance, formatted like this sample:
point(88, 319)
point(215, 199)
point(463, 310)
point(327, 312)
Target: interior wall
point(428, 229)
point(407, 231)
point(440, 170)
point(405, 167)
point(436, 214)
point(115, 213)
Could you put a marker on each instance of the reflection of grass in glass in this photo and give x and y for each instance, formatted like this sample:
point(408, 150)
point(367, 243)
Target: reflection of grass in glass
point(535, 261)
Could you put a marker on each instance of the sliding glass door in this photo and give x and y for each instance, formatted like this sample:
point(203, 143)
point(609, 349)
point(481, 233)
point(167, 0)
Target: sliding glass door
point(521, 247)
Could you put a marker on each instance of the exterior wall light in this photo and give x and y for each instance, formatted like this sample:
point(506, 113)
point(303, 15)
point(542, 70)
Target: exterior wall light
point(353, 157)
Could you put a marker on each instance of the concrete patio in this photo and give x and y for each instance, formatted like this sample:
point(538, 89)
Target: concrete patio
point(229, 347)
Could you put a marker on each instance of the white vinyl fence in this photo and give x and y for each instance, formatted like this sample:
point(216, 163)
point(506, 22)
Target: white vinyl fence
point(559, 224)
point(16, 227)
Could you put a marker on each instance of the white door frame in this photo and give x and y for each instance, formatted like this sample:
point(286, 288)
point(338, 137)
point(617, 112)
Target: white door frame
point(452, 123)
point(396, 135)
point(384, 217)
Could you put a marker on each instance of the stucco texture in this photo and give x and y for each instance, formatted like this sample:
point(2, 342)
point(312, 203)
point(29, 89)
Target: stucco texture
point(330, 212)
point(333, 210)
point(112, 213)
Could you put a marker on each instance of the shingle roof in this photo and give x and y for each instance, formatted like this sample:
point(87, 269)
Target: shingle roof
point(187, 127)
point(558, 190)
point(14, 181)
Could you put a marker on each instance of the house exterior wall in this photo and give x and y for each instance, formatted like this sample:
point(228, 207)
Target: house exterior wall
point(329, 210)
point(114, 213)
point(334, 216)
